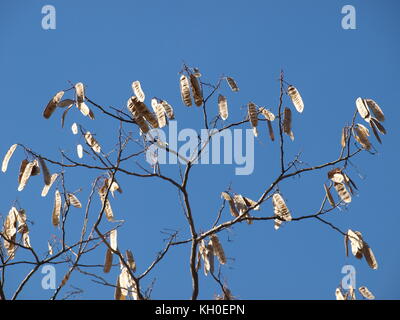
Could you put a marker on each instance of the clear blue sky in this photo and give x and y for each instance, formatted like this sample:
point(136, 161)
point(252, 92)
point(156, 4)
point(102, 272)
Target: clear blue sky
point(108, 44)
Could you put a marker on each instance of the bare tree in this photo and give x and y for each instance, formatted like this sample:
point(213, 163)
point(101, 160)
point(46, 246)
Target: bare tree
point(131, 144)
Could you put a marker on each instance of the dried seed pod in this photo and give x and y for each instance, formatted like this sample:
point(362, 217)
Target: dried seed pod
point(137, 89)
point(106, 203)
point(380, 127)
point(47, 187)
point(287, 123)
point(26, 175)
point(141, 113)
point(196, 90)
point(50, 248)
point(366, 293)
point(296, 98)
point(208, 258)
point(342, 192)
point(280, 210)
point(85, 110)
point(10, 231)
point(356, 243)
point(65, 103)
point(118, 292)
point(223, 107)
point(185, 90)
point(160, 113)
point(92, 142)
point(232, 205)
point(251, 203)
point(79, 151)
point(241, 205)
point(35, 169)
point(73, 200)
point(369, 256)
point(108, 261)
point(74, 128)
point(339, 294)
point(375, 131)
point(252, 112)
point(113, 239)
point(376, 110)
point(7, 157)
point(52, 105)
point(45, 170)
point(361, 135)
point(218, 250)
point(80, 92)
point(56, 209)
point(343, 140)
point(131, 262)
point(270, 131)
point(362, 108)
point(267, 114)
point(22, 167)
point(232, 84)
point(169, 111)
point(329, 196)
point(114, 186)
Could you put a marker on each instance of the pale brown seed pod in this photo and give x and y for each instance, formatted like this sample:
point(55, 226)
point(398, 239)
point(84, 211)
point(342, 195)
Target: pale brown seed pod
point(140, 113)
point(114, 186)
point(376, 110)
point(361, 136)
point(52, 105)
point(375, 131)
point(241, 205)
point(26, 174)
point(218, 250)
point(108, 261)
point(287, 123)
point(253, 117)
point(106, 203)
point(74, 128)
point(56, 209)
point(339, 294)
point(10, 231)
point(47, 187)
point(342, 192)
point(346, 244)
point(209, 259)
point(379, 126)
point(22, 167)
point(270, 131)
point(169, 111)
point(366, 293)
point(113, 239)
point(80, 92)
point(296, 98)
point(130, 260)
point(35, 169)
point(232, 205)
point(362, 108)
point(137, 89)
point(351, 293)
point(336, 175)
point(79, 151)
point(251, 203)
point(45, 170)
point(185, 90)
point(232, 84)
point(92, 142)
point(329, 196)
point(65, 103)
point(196, 90)
point(223, 107)
point(7, 157)
point(118, 292)
point(356, 243)
point(85, 110)
point(160, 113)
point(73, 200)
point(268, 115)
point(369, 256)
point(344, 137)
point(281, 210)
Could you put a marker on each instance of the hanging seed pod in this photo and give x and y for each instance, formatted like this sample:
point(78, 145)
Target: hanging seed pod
point(342, 192)
point(113, 239)
point(160, 113)
point(35, 169)
point(52, 105)
point(339, 294)
point(366, 293)
point(232, 205)
point(379, 126)
point(356, 243)
point(74, 128)
point(296, 98)
point(137, 89)
point(185, 90)
point(169, 111)
point(362, 108)
point(140, 113)
point(118, 292)
point(369, 256)
point(336, 175)
point(223, 107)
point(80, 92)
point(92, 142)
point(22, 167)
point(218, 250)
point(131, 262)
point(10, 231)
point(343, 140)
point(329, 196)
point(45, 170)
point(280, 210)
point(375, 131)
point(108, 261)
point(267, 114)
point(106, 203)
point(287, 123)
point(55, 218)
point(376, 110)
point(270, 131)
point(209, 261)
point(47, 187)
point(74, 201)
point(232, 84)
point(26, 175)
point(241, 205)
point(251, 203)
point(196, 90)
point(7, 157)
point(85, 110)
point(79, 151)
point(66, 103)
point(252, 113)
point(361, 135)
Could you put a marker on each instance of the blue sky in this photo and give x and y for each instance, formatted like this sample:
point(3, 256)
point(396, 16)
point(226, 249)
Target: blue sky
point(108, 44)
